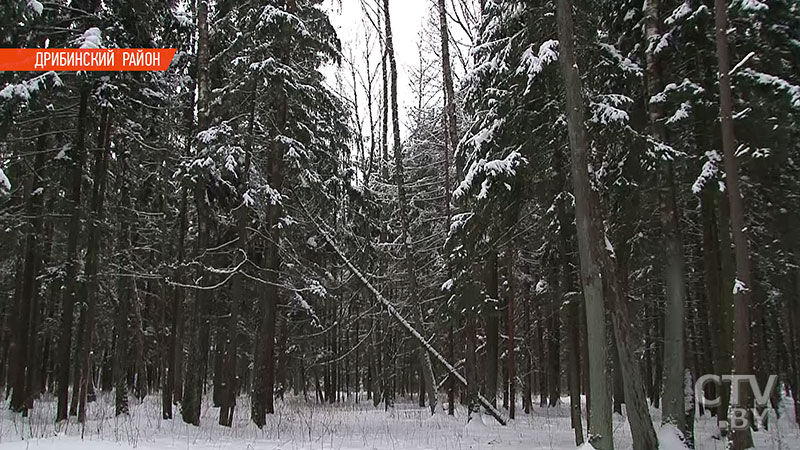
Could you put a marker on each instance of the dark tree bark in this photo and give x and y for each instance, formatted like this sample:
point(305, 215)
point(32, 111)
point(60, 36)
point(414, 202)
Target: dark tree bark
point(793, 304)
point(794, 324)
point(21, 358)
point(384, 105)
point(264, 383)
point(470, 365)
point(124, 292)
point(281, 355)
point(375, 383)
point(94, 239)
point(597, 267)
point(77, 156)
point(570, 299)
point(539, 369)
point(743, 285)
point(527, 395)
point(492, 316)
point(618, 385)
point(195, 376)
point(179, 293)
point(588, 236)
point(718, 309)
point(554, 341)
point(641, 425)
point(230, 382)
point(166, 321)
point(674, 266)
point(140, 367)
point(573, 367)
point(512, 374)
point(728, 276)
point(179, 303)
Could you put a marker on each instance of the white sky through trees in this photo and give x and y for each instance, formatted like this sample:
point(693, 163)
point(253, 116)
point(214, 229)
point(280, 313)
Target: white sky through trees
point(407, 18)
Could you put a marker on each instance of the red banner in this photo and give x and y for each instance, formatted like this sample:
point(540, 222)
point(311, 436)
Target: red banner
point(74, 59)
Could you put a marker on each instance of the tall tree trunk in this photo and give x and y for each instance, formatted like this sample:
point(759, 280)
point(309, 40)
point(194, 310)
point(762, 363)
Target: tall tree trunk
point(793, 332)
point(375, 359)
point(281, 339)
point(540, 372)
point(673, 410)
point(794, 328)
point(743, 285)
point(93, 248)
point(512, 375)
point(73, 234)
point(642, 432)
point(588, 238)
point(451, 138)
point(230, 381)
point(384, 106)
point(570, 299)
point(492, 316)
point(124, 292)
point(76, 362)
point(726, 310)
point(618, 385)
point(471, 365)
point(451, 130)
point(179, 293)
point(195, 377)
point(24, 326)
point(585, 383)
point(408, 250)
point(264, 383)
point(573, 367)
point(713, 292)
point(179, 301)
point(165, 344)
point(140, 366)
point(166, 335)
point(527, 388)
point(554, 341)
point(356, 367)
point(21, 359)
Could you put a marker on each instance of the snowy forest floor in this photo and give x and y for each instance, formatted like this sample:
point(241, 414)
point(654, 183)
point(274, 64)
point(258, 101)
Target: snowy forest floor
point(297, 425)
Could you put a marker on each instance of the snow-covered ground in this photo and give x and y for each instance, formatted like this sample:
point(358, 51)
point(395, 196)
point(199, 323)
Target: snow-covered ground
point(297, 425)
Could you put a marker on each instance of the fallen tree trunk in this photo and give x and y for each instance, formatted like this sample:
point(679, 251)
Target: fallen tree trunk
point(405, 324)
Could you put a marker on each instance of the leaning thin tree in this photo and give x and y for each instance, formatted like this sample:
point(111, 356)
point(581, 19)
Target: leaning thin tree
point(402, 320)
